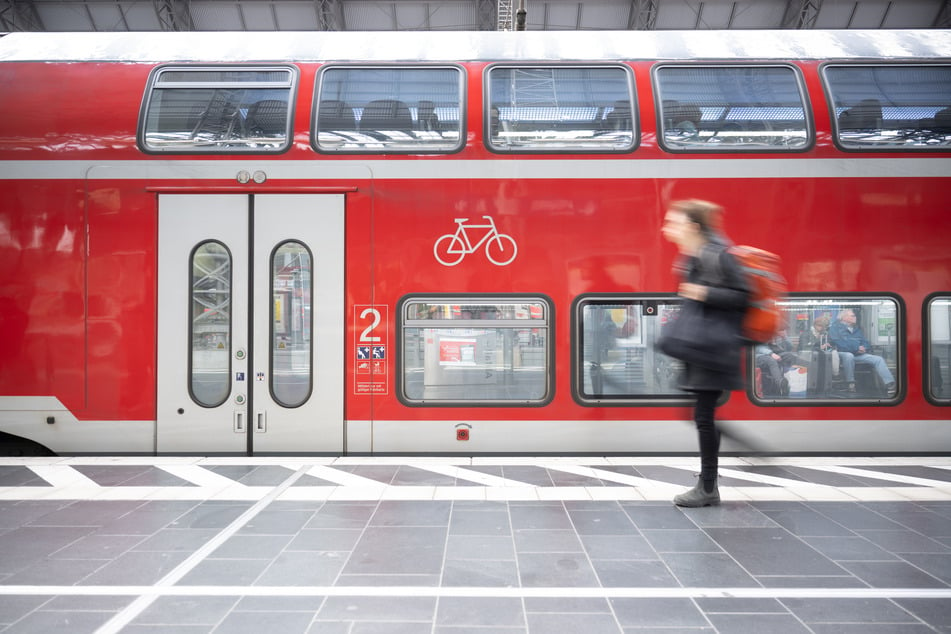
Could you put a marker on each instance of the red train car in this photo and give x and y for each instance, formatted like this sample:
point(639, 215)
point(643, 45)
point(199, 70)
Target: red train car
point(438, 243)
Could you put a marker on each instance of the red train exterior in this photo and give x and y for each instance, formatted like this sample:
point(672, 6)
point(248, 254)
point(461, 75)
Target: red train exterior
point(80, 267)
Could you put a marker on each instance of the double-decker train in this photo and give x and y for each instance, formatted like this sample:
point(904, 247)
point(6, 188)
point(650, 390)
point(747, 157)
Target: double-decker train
point(449, 243)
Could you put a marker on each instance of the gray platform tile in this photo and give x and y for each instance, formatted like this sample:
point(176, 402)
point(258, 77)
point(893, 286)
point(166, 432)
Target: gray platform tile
point(480, 611)
point(398, 550)
point(937, 565)
point(618, 547)
point(571, 624)
point(772, 551)
point(541, 515)
point(609, 520)
point(817, 581)
point(252, 547)
point(131, 475)
point(265, 623)
point(330, 627)
point(98, 546)
point(276, 522)
point(306, 603)
point(64, 571)
point(185, 610)
point(870, 628)
point(136, 568)
point(565, 479)
point(225, 572)
point(105, 603)
point(87, 513)
point(16, 513)
point(829, 478)
point(526, 474)
point(325, 539)
point(411, 513)
point(171, 539)
point(24, 546)
point(708, 570)
point(757, 624)
point(487, 573)
point(688, 479)
point(389, 580)
point(631, 573)
point(15, 607)
point(806, 522)
point(567, 605)
point(854, 516)
point(467, 521)
point(342, 515)
point(937, 506)
point(167, 629)
point(406, 627)
point(904, 541)
point(934, 612)
point(362, 608)
point(915, 471)
point(211, 514)
point(148, 518)
point(656, 516)
point(729, 515)
point(917, 518)
point(480, 547)
point(892, 574)
point(544, 541)
point(847, 610)
point(19, 476)
point(556, 570)
point(740, 605)
point(414, 476)
point(655, 612)
point(60, 622)
point(304, 568)
point(681, 541)
point(849, 549)
point(380, 473)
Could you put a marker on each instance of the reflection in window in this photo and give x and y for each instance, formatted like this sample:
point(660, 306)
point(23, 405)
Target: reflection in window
point(291, 310)
point(459, 351)
point(833, 348)
point(896, 106)
point(560, 109)
point(210, 358)
point(720, 108)
point(226, 110)
point(618, 356)
point(938, 347)
point(389, 110)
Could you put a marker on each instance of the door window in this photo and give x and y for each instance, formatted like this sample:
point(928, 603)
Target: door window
point(210, 355)
point(291, 311)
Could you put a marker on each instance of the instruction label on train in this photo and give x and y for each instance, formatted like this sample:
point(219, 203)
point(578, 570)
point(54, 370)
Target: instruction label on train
point(371, 349)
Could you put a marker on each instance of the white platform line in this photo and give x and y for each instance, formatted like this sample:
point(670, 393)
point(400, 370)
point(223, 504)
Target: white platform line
point(344, 478)
point(63, 476)
point(884, 475)
point(156, 591)
point(470, 476)
point(200, 476)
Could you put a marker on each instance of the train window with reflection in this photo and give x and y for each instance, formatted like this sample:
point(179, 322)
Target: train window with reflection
point(475, 350)
point(389, 109)
point(560, 109)
point(616, 361)
point(218, 109)
point(291, 314)
point(889, 107)
point(834, 348)
point(209, 358)
point(937, 357)
point(731, 108)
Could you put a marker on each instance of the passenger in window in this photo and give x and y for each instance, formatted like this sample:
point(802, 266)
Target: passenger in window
point(774, 359)
point(817, 337)
point(712, 280)
point(853, 347)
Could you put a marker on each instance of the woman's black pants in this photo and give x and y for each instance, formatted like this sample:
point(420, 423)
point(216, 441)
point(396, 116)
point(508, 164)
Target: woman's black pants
point(707, 434)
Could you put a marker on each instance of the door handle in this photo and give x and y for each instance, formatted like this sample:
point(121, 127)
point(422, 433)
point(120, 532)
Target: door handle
point(260, 422)
point(239, 422)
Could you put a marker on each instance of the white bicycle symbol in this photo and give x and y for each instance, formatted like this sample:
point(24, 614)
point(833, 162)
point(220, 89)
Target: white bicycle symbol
point(451, 248)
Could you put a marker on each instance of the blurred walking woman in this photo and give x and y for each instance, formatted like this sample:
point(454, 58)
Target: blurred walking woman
point(706, 335)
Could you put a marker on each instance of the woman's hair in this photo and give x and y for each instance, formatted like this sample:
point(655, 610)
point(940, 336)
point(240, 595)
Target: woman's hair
point(707, 215)
point(823, 321)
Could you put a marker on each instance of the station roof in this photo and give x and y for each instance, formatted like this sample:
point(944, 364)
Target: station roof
point(467, 15)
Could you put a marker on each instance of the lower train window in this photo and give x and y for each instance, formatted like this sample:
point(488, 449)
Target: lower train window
point(389, 109)
point(615, 360)
point(560, 109)
point(890, 107)
point(834, 348)
point(937, 353)
point(218, 109)
point(731, 108)
point(475, 350)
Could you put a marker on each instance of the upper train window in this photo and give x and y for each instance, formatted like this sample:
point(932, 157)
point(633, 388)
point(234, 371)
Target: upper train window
point(937, 357)
point(731, 108)
point(218, 109)
point(898, 106)
point(840, 349)
point(560, 109)
point(387, 109)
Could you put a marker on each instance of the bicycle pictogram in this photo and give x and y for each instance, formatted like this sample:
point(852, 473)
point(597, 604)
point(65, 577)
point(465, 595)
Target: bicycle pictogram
point(451, 248)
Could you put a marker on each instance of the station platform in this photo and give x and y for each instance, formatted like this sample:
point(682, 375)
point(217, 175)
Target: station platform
point(506, 545)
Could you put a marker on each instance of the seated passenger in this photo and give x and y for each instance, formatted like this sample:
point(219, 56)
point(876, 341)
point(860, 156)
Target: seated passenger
point(774, 358)
point(853, 349)
point(817, 337)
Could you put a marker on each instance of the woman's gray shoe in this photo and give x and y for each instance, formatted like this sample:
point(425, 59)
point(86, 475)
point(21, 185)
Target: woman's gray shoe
point(699, 496)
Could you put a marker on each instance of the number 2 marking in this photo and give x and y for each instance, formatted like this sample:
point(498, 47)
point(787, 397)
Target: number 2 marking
point(365, 335)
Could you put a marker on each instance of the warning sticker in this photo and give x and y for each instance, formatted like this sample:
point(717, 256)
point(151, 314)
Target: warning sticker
point(371, 325)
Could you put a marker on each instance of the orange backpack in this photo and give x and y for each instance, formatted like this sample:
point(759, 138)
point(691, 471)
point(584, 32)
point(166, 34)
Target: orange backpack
point(763, 272)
